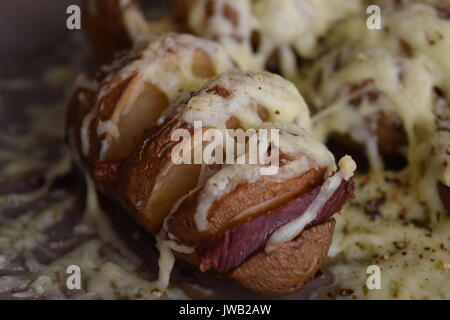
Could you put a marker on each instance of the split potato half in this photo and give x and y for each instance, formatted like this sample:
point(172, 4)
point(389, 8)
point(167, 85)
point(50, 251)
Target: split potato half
point(110, 111)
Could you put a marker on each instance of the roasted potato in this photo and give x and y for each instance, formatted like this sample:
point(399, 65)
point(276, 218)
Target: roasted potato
point(113, 26)
point(229, 101)
point(444, 193)
point(247, 201)
point(121, 125)
point(156, 189)
point(109, 111)
point(297, 261)
point(237, 248)
point(375, 97)
point(254, 33)
point(355, 114)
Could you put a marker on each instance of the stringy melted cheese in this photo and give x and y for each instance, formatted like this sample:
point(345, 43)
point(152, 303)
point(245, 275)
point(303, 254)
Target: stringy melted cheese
point(237, 24)
point(285, 111)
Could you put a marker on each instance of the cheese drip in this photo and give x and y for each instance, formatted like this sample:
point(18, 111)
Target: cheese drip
point(254, 31)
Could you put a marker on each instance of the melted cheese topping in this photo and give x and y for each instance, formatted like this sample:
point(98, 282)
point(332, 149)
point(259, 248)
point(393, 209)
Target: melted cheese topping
point(237, 25)
point(396, 221)
point(404, 69)
point(285, 110)
point(32, 228)
point(166, 63)
point(387, 224)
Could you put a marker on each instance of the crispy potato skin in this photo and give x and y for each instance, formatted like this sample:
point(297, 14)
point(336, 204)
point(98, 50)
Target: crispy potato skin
point(138, 177)
point(105, 28)
point(288, 268)
point(182, 224)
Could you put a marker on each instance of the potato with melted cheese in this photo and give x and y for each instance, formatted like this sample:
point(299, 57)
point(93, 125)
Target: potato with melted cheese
point(109, 111)
point(203, 206)
point(385, 93)
point(195, 207)
point(255, 33)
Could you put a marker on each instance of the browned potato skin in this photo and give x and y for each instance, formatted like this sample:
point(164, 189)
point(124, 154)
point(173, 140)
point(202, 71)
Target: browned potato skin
point(182, 224)
point(77, 111)
point(302, 257)
point(182, 8)
point(390, 134)
point(142, 168)
point(78, 108)
point(138, 175)
point(299, 259)
point(106, 30)
point(284, 270)
point(288, 268)
point(444, 192)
